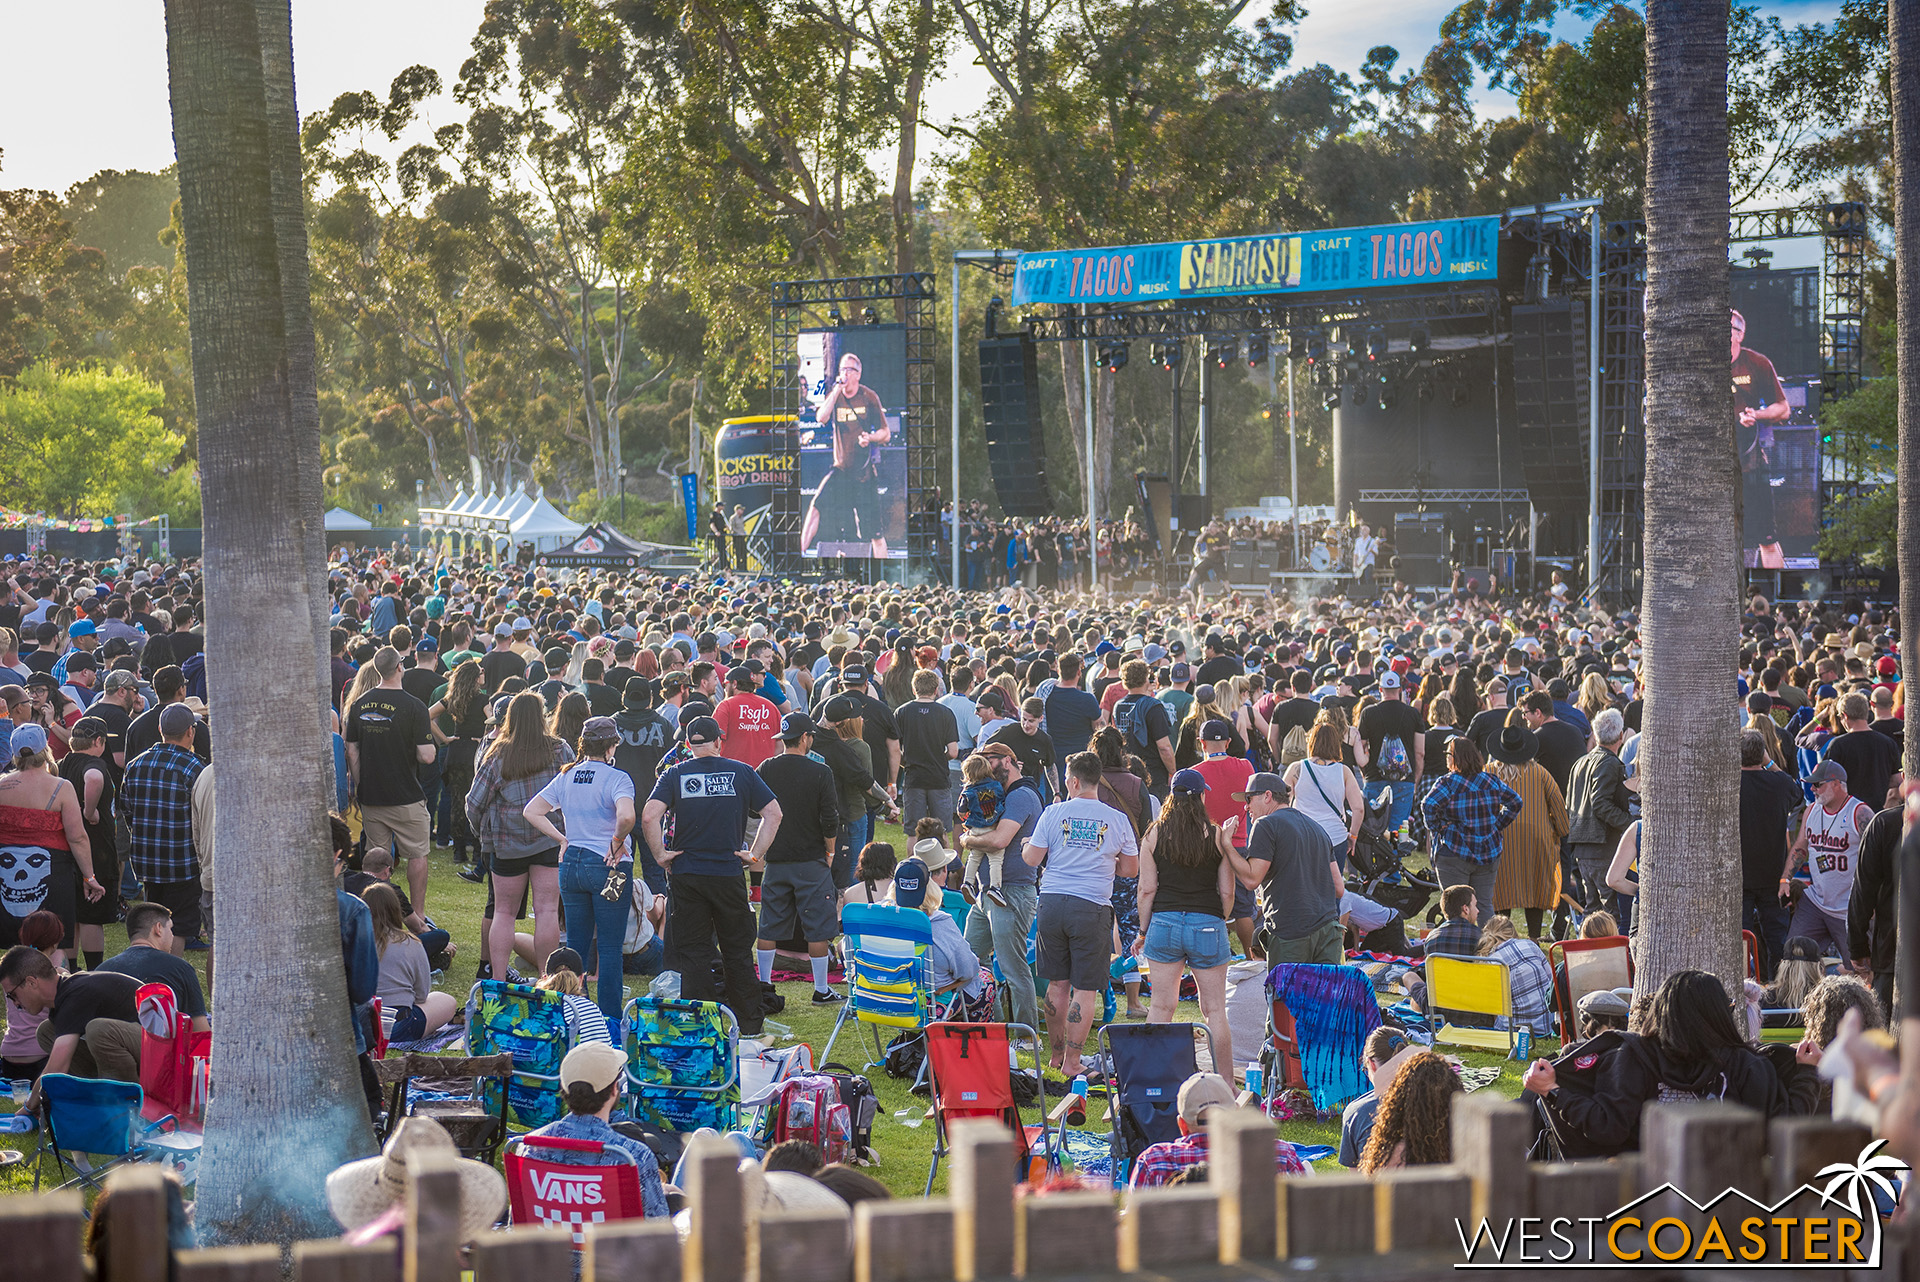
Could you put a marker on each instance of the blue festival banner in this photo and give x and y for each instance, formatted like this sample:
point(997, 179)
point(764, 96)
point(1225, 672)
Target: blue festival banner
point(690, 500)
point(1453, 249)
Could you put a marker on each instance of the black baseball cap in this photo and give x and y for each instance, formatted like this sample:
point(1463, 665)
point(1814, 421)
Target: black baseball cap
point(795, 725)
point(701, 730)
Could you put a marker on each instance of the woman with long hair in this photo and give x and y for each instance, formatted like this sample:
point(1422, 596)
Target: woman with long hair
point(459, 722)
point(1466, 813)
point(41, 824)
point(1325, 791)
point(1185, 899)
point(1465, 694)
point(1414, 1126)
point(1799, 973)
point(520, 760)
point(850, 757)
point(410, 1007)
point(1205, 707)
point(1528, 874)
point(1593, 698)
point(569, 717)
point(365, 678)
point(1123, 785)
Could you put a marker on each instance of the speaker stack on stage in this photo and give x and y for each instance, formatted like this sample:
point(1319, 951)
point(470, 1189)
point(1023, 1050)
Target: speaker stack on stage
point(1420, 547)
point(1010, 404)
point(1550, 391)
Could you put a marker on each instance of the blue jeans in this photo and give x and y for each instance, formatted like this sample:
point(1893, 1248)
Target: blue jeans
point(583, 875)
point(1400, 808)
point(854, 835)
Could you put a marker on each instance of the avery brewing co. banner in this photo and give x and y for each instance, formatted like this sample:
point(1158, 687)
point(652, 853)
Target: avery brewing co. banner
point(1454, 249)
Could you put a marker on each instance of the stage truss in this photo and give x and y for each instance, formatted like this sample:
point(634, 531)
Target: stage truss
point(811, 304)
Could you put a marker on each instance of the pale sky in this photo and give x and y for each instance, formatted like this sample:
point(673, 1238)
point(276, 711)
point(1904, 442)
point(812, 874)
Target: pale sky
point(83, 83)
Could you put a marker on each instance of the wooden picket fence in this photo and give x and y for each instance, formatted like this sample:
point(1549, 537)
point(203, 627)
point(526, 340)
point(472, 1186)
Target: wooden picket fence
point(1402, 1226)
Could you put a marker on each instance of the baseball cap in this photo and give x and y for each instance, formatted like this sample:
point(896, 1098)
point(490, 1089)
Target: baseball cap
point(1215, 731)
point(565, 959)
point(1828, 771)
point(81, 661)
point(523, 624)
point(910, 884)
point(27, 738)
point(599, 729)
point(81, 628)
point(996, 698)
point(1190, 780)
point(1180, 672)
point(1605, 1003)
point(997, 750)
point(840, 708)
point(1201, 1092)
point(701, 730)
point(796, 724)
point(119, 679)
point(1265, 781)
point(1800, 949)
point(176, 719)
point(503, 629)
point(427, 645)
point(1389, 680)
point(1887, 665)
point(91, 728)
point(595, 1064)
point(853, 676)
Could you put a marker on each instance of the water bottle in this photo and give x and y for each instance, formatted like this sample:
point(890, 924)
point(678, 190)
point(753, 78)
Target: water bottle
point(665, 986)
point(1256, 1081)
point(1523, 1044)
point(1077, 1111)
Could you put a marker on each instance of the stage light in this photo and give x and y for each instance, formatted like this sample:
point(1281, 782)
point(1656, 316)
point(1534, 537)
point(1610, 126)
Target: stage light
point(1166, 352)
point(833, 314)
point(1376, 344)
point(1331, 401)
point(868, 315)
point(1419, 339)
point(1316, 349)
point(1296, 345)
point(1383, 391)
point(1223, 350)
point(1113, 355)
point(1268, 410)
point(1256, 349)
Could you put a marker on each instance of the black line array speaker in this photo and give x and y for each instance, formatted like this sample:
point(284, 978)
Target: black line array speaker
point(1010, 404)
point(1550, 391)
point(1422, 534)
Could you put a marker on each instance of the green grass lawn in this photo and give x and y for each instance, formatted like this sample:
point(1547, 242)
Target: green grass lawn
point(904, 1144)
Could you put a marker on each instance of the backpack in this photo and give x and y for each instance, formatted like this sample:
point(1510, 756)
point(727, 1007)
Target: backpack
point(1294, 747)
point(809, 1108)
point(1395, 763)
point(863, 1104)
point(1130, 719)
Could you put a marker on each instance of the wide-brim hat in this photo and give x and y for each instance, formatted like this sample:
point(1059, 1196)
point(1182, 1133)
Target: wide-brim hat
point(1516, 746)
point(363, 1191)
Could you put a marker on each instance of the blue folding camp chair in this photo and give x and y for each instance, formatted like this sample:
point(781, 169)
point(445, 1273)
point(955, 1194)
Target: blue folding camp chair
point(101, 1117)
point(1146, 1066)
point(683, 1064)
point(889, 976)
point(529, 1024)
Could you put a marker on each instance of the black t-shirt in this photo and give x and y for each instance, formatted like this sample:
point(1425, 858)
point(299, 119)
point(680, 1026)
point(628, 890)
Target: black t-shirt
point(117, 722)
point(1483, 730)
point(1219, 667)
point(809, 811)
point(1560, 746)
point(1892, 727)
point(1632, 714)
point(1144, 740)
point(497, 666)
point(98, 994)
point(1296, 711)
point(152, 966)
point(603, 700)
point(1101, 682)
point(144, 731)
point(422, 682)
point(877, 726)
point(74, 768)
point(38, 660)
point(1390, 717)
point(805, 656)
point(1870, 759)
point(926, 728)
point(388, 725)
point(645, 737)
point(1035, 752)
point(1768, 799)
point(1071, 714)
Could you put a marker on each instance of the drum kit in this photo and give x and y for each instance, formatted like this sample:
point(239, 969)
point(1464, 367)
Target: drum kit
point(1333, 552)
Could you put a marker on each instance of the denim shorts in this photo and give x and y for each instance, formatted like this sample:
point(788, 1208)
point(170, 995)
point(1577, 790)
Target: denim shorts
point(1198, 939)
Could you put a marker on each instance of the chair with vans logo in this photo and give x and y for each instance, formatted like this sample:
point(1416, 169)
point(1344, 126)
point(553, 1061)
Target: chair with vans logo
point(567, 1195)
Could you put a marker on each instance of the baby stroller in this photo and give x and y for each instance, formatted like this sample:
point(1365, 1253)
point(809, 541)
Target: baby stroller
point(1376, 866)
point(1147, 1065)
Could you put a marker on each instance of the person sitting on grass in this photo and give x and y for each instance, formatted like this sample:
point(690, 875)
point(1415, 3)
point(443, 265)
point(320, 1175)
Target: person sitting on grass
point(1414, 1126)
point(1160, 1164)
point(590, 1079)
point(377, 866)
point(410, 1006)
point(566, 974)
point(1386, 1050)
point(1459, 934)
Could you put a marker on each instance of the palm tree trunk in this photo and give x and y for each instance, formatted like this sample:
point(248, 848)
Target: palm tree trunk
point(287, 1108)
point(1903, 40)
point(1689, 758)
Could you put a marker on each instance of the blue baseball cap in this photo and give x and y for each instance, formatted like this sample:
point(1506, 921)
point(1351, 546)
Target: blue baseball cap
point(910, 884)
point(1189, 780)
point(81, 628)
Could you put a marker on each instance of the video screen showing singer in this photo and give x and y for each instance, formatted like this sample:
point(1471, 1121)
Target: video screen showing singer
point(846, 509)
point(1759, 401)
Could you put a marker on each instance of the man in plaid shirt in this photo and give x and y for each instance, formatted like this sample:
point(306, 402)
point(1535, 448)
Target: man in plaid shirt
point(1459, 934)
point(1161, 1163)
point(156, 796)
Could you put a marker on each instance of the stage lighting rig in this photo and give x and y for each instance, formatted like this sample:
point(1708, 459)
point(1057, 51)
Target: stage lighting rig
point(1383, 391)
point(1297, 345)
point(1376, 345)
point(1316, 349)
point(1419, 340)
point(833, 314)
point(1166, 353)
point(870, 316)
point(1113, 355)
point(1223, 349)
point(1257, 349)
point(1331, 401)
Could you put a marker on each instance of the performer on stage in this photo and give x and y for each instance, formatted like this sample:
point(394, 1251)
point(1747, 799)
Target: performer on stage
point(848, 502)
point(1758, 403)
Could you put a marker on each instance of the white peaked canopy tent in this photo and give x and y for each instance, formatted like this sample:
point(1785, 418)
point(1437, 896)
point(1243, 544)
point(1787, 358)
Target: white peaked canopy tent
point(340, 518)
point(500, 522)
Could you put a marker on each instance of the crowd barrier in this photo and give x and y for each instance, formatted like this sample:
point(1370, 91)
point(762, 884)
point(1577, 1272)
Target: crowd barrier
point(1404, 1225)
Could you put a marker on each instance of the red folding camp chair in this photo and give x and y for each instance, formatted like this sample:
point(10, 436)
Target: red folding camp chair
point(173, 1059)
point(1748, 938)
point(565, 1194)
point(970, 1068)
point(1589, 966)
point(1284, 1070)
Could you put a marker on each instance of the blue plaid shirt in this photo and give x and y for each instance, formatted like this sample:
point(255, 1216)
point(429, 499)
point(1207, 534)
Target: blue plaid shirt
point(156, 797)
point(1466, 815)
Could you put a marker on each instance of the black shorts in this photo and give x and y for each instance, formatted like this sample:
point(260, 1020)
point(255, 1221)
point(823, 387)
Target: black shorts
point(519, 867)
point(106, 867)
point(798, 900)
point(182, 899)
point(1075, 941)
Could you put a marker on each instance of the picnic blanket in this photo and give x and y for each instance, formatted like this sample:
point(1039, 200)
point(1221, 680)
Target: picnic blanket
point(448, 1035)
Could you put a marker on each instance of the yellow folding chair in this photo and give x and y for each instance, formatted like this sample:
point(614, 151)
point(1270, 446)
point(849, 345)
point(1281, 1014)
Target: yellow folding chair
point(1471, 986)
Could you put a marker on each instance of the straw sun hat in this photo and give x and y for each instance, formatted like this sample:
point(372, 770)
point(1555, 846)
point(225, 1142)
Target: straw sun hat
point(362, 1191)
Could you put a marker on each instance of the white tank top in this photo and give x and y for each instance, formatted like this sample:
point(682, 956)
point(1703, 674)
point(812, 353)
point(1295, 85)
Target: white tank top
point(1332, 779)
point(1833, 853)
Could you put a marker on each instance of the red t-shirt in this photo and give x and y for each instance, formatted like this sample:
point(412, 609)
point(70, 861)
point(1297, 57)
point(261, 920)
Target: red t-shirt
point(1226, 776)
point(1110, 696)
point(749, 728)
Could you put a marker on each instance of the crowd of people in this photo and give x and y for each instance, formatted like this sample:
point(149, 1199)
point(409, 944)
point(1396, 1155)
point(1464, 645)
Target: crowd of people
point(1150, 787)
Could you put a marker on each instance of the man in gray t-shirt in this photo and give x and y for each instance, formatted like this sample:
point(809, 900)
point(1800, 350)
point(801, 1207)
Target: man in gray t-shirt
point(1290, 860)
point(993, 930)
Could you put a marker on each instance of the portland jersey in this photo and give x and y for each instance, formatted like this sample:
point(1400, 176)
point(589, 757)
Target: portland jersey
point(1833, 853)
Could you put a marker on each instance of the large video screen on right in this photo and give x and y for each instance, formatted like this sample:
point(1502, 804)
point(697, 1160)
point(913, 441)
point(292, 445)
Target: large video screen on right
point(1776, 392)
